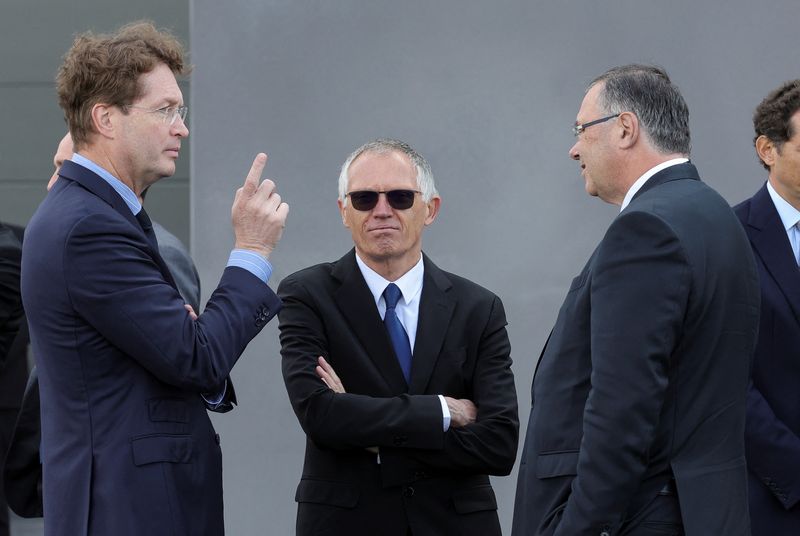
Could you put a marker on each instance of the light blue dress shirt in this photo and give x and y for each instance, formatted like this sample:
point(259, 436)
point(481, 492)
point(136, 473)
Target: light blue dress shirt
point(790, 218)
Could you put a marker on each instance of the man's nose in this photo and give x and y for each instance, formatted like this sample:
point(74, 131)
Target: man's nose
point(573, 152)
point(179, 128)
point(382, 208)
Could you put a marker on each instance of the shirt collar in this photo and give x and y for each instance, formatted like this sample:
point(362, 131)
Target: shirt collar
point(120, 187)
point(789, 215)
point(410, 283)
point(636, 186)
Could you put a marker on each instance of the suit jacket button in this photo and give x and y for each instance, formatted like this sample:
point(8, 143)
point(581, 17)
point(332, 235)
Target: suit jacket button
point(216, 438)
point(408, 492)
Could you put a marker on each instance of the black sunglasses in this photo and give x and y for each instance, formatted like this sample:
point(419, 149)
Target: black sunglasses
point(367, 199)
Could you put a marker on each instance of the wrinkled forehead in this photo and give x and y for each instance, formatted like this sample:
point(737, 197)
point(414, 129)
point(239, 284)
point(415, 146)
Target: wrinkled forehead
point(375, 168)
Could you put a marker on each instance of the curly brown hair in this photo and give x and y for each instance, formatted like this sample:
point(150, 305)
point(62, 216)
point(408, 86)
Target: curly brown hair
point(772, 117)
point(106, 69)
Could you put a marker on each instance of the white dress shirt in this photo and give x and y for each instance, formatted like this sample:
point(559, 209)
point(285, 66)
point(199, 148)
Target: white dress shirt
point(410, 284)
point(790, 217)
point(636, 186)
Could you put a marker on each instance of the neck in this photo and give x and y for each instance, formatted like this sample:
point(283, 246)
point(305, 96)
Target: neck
point(637, 166)
point(104, 158)
point(785, 193)
point(391, 268)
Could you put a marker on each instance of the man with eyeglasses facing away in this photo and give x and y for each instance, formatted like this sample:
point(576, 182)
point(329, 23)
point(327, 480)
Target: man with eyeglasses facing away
point(638, 400)
point(399, 372)
point(125, 372)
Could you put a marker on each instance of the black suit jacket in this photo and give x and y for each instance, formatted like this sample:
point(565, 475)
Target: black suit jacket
point(10, 301)
point(772, 434)
point(14, 371)
point(432, 481)
point(645, 373)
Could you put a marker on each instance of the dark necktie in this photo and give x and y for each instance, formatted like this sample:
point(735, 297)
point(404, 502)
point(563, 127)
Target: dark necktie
point(397, 334)
point(147, 227)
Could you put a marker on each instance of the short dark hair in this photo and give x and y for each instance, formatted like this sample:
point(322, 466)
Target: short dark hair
point(772, 117)
point(106, 69)
point(648, 92)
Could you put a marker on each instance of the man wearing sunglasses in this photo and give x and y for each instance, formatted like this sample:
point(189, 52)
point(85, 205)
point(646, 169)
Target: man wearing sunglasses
point(125, 372)
point(638, 400)
point(398, 371)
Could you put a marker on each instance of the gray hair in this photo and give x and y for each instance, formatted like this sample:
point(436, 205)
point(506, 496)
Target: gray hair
point(387, 145)
point(647, 91)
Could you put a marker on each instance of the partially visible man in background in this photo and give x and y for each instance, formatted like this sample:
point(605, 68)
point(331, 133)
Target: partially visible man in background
point(771, 219)
point(127, 445)
point(11, 320)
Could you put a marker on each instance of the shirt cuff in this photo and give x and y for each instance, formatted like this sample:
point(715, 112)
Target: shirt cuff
point(445, 414)
point(214, 399)
point(252, 262)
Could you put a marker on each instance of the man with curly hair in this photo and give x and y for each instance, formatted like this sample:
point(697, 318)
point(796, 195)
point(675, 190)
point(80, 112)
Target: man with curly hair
point(771, 219)
point(126, 371)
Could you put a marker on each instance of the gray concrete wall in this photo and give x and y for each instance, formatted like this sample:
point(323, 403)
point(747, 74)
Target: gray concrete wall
point(34, 35)
point(488, 92)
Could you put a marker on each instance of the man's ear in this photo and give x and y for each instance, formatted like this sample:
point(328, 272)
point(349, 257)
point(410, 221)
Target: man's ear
point(103, 117)
point(766, 149)
point(342, 211)
point(628, 129)
point(433, 207)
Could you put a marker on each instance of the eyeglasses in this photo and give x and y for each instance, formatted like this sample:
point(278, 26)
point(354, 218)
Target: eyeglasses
point(169, 114)
point(578, 129)
point(367, 199)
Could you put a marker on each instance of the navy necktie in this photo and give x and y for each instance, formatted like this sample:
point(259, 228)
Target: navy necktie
point(147, 227)
point(397, 334)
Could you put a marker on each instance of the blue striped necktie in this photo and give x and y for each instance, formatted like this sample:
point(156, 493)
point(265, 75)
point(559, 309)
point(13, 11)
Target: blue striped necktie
point(397, 334)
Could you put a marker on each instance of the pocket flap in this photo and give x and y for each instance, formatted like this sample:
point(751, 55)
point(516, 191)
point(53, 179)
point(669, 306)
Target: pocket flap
point(475, 500)
point(550, 464)
point(327, 492)
point(161, 448)
point(168, 410)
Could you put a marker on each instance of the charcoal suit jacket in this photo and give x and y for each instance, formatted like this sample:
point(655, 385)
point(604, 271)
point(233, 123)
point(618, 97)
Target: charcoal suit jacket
point(426, 480)
point(772, 432)
point(127, 445)
point(644, 377)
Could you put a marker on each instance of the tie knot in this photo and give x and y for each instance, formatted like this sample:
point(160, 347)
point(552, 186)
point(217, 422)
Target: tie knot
point(392, 295)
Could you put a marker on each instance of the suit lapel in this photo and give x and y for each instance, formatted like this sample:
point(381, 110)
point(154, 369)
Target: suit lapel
point(90, 181)
point(357, 305)
point(769, 239)
point(435, 311)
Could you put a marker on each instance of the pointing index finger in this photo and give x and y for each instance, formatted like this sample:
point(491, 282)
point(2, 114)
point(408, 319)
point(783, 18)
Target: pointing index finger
point(254, 176)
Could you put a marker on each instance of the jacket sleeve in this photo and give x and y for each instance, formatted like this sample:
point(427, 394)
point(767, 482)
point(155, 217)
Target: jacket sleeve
point(115, 284)
point(639, 290)
point(772, 449)
point(407, 428)
point(347, 420)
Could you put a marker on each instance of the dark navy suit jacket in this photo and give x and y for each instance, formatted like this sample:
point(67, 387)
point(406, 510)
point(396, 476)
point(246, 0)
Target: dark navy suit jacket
point(127, 445)
point(773, 405)
point(645, 375)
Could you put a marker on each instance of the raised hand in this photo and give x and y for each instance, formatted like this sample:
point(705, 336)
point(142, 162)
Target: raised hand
point(257, 214)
